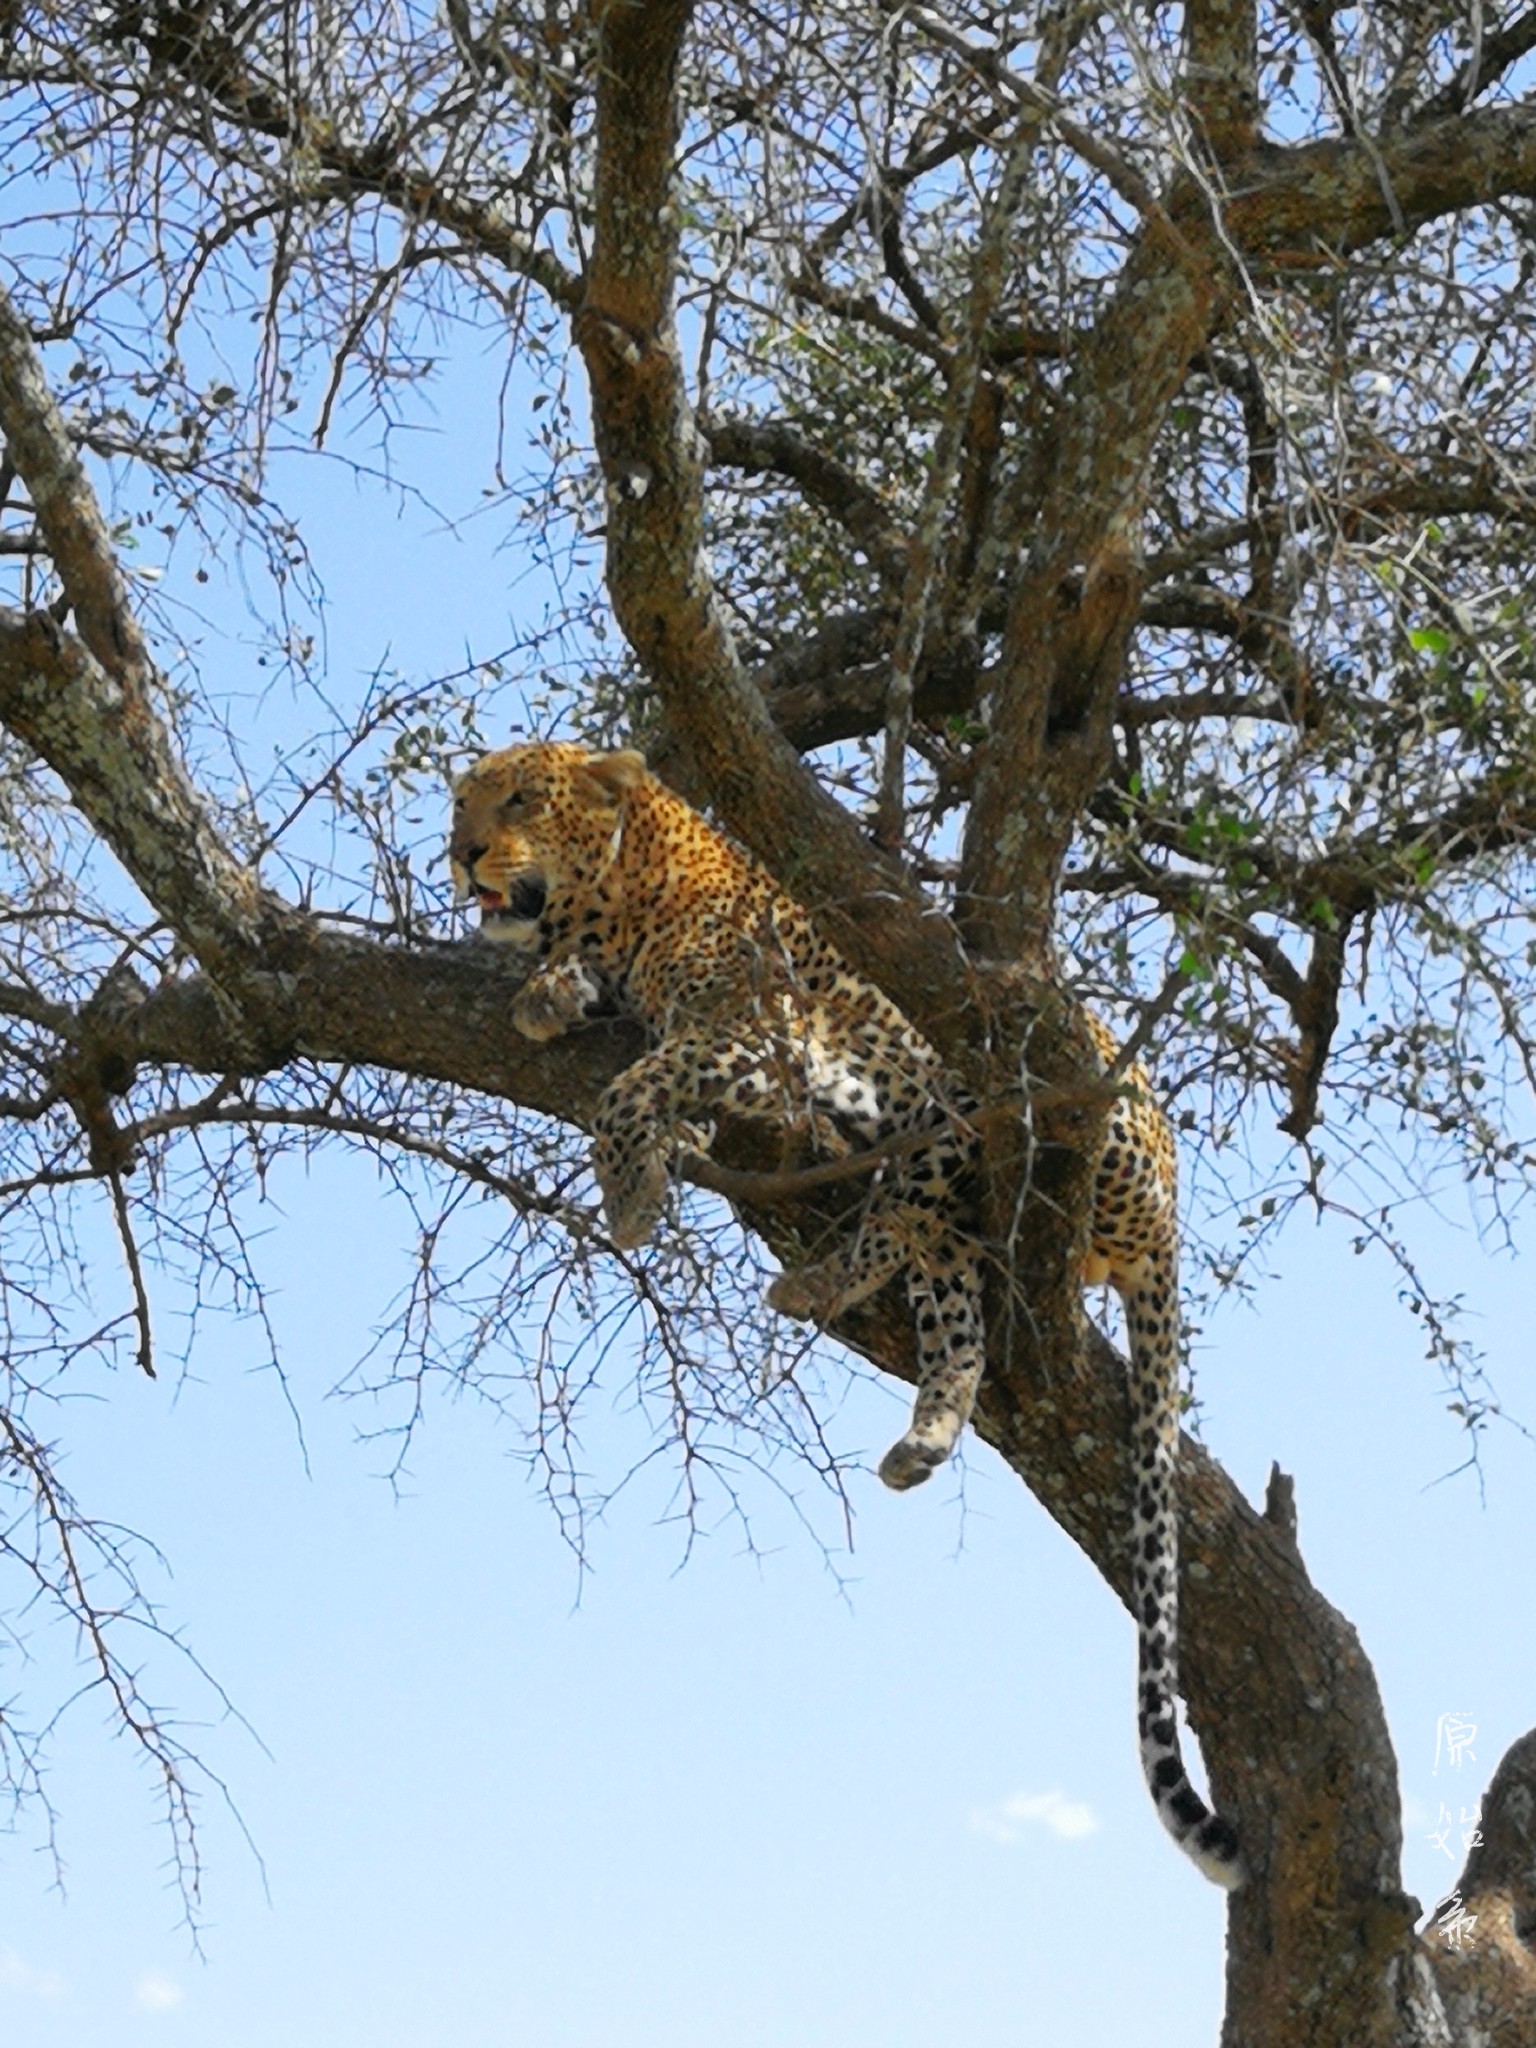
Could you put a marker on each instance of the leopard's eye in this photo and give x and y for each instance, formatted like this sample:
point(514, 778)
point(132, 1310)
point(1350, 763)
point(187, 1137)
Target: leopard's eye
point(514, 802)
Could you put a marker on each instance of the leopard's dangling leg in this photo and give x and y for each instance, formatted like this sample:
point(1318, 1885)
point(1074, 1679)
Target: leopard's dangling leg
point(908, 1223)
point(944, 1288)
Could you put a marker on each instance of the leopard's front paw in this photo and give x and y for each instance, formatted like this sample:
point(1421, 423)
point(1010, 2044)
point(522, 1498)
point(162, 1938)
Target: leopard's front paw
point(554, 1000)
point(540, 1012)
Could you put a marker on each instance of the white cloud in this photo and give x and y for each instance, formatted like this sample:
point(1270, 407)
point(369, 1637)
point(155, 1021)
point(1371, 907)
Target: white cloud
point(1006, 1822)
point(155, 1992)
point(15, 1975)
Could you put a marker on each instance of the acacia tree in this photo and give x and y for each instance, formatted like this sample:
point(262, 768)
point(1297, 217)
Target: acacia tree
point(1065, 478)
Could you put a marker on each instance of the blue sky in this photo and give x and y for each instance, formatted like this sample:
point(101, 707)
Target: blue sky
point(726, 1801)
point(497, 1804)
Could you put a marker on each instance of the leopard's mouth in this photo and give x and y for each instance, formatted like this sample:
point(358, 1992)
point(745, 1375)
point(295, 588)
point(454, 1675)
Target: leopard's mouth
point(516, 914)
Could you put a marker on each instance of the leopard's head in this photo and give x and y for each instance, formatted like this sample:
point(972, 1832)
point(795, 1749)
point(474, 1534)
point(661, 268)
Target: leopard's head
point(535, 833)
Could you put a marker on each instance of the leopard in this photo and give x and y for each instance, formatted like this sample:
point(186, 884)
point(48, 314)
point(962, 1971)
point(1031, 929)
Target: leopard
point(627, 901)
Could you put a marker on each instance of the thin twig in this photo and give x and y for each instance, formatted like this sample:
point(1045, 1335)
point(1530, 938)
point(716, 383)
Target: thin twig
point(145, 1356)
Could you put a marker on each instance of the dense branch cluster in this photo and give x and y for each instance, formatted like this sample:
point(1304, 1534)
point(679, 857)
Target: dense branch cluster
point(1066, 482)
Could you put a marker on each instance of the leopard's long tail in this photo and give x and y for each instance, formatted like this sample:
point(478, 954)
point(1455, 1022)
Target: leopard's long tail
point(1150, 1292)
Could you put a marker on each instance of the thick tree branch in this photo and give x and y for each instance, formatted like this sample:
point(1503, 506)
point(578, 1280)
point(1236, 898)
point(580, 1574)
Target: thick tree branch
point(1325, 199)
point(101, 735)
point(1316, 1010)
point(658, 576)
point(1063, 654)
point(852, 705)
point(42, 453)
point(824, 661)
point(1278, 1689)
point(1220, 78)
point(87, 704)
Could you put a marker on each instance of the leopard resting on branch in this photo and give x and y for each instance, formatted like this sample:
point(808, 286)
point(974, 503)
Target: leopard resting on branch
point(627, 898)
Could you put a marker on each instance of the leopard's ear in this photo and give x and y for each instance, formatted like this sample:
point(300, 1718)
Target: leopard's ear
point(608, 778)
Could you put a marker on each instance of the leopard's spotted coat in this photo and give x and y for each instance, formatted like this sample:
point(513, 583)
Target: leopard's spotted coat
point(627, 897)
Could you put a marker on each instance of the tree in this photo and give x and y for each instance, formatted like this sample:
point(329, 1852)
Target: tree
point(1061, 470)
